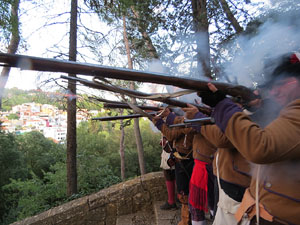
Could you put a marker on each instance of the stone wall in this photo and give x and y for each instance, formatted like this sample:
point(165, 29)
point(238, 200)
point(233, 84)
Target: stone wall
point(103, 207)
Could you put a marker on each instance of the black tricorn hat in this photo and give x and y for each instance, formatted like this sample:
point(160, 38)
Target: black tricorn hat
point(287, 65)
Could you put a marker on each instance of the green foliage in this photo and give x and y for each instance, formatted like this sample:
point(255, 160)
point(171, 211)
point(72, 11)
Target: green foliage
point(151, 145)
point(15, 96)
point(5, 18)
point(11, 160)
point(40, 190)
point(13, 116)
point(40, 152)
point(12, 166)
point(98, 166)
point(104, 144)
point(36, 195)
point(83, 102)
point(29, 195)
point(94, 170)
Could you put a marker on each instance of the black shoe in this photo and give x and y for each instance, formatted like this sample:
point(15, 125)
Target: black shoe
point(167, 206)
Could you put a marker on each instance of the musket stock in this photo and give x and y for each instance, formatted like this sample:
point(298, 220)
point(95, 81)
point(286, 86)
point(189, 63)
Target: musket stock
point(194, 122)
point(54, 65)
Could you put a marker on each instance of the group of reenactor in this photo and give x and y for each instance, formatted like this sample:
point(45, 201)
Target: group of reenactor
point(244, 168)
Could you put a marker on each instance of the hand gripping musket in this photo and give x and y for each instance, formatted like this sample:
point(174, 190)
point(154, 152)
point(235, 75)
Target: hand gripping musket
point(194, 122)
point(130, 116)
point(137, 94)
point(53, 65)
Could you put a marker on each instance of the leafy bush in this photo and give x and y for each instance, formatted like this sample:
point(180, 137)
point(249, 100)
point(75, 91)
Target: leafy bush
point(12, 166)
point(40, 152)
point(35, 177)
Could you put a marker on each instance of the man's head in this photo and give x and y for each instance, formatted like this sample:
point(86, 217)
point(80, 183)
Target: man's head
point(284, 80)
point(285, 90)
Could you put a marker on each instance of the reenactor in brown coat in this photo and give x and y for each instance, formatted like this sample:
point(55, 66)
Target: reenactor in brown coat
point(182, 143)
point(231, 168)
point(273, 195)
point(201, 196)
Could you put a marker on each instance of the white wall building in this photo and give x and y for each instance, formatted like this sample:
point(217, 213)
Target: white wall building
point(44, 118)
point(57, 133)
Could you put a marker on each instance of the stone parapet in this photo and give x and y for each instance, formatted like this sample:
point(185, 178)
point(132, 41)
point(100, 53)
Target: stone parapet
point(105, 206)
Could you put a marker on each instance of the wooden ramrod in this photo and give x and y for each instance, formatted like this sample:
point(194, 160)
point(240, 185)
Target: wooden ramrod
point(54, 65)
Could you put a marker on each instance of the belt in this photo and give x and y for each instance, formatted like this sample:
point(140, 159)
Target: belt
point(234, 191)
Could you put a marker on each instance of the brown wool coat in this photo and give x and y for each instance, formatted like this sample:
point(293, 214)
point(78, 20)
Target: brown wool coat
point(278, 148)
point(203, 150)
point(233, 167)
point(182, 141)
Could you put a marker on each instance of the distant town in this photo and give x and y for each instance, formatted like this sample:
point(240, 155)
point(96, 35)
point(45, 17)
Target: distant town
point(44, 118)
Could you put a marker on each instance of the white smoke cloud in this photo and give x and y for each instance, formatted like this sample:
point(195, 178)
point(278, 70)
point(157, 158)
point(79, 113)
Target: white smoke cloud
point(273, 39)
point(157, 67)
point(278, 35)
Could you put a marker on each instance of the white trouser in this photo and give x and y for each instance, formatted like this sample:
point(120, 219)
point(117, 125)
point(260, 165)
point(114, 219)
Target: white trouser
point(226, 210)
point(227, 207)
point(199, 222)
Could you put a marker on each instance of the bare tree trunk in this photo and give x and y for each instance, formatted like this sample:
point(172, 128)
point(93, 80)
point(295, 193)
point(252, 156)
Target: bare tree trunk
point(152, 50)
point(139, 144)
point(201, 28)
point(137, 132)
point(71, 111)
point(122, 151)
point(126, 42)
point(13, 45)
point(230, 17)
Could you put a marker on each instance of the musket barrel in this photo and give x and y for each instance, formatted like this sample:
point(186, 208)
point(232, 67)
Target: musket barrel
point(201, 120)
point(111, 118)
point(105, 100)
point(194, 122)
point(168, 101)
point(125, 106)
point(54, 65)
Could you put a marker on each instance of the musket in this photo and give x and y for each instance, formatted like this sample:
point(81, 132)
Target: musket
point(54, 65)
point(194, 122)
point(169, 101)
point(125, 106)
point(131, 116)
point(122, 105)
point(104, 100)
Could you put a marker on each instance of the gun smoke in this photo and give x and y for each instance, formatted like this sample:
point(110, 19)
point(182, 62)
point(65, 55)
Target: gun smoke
point(277, 35)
